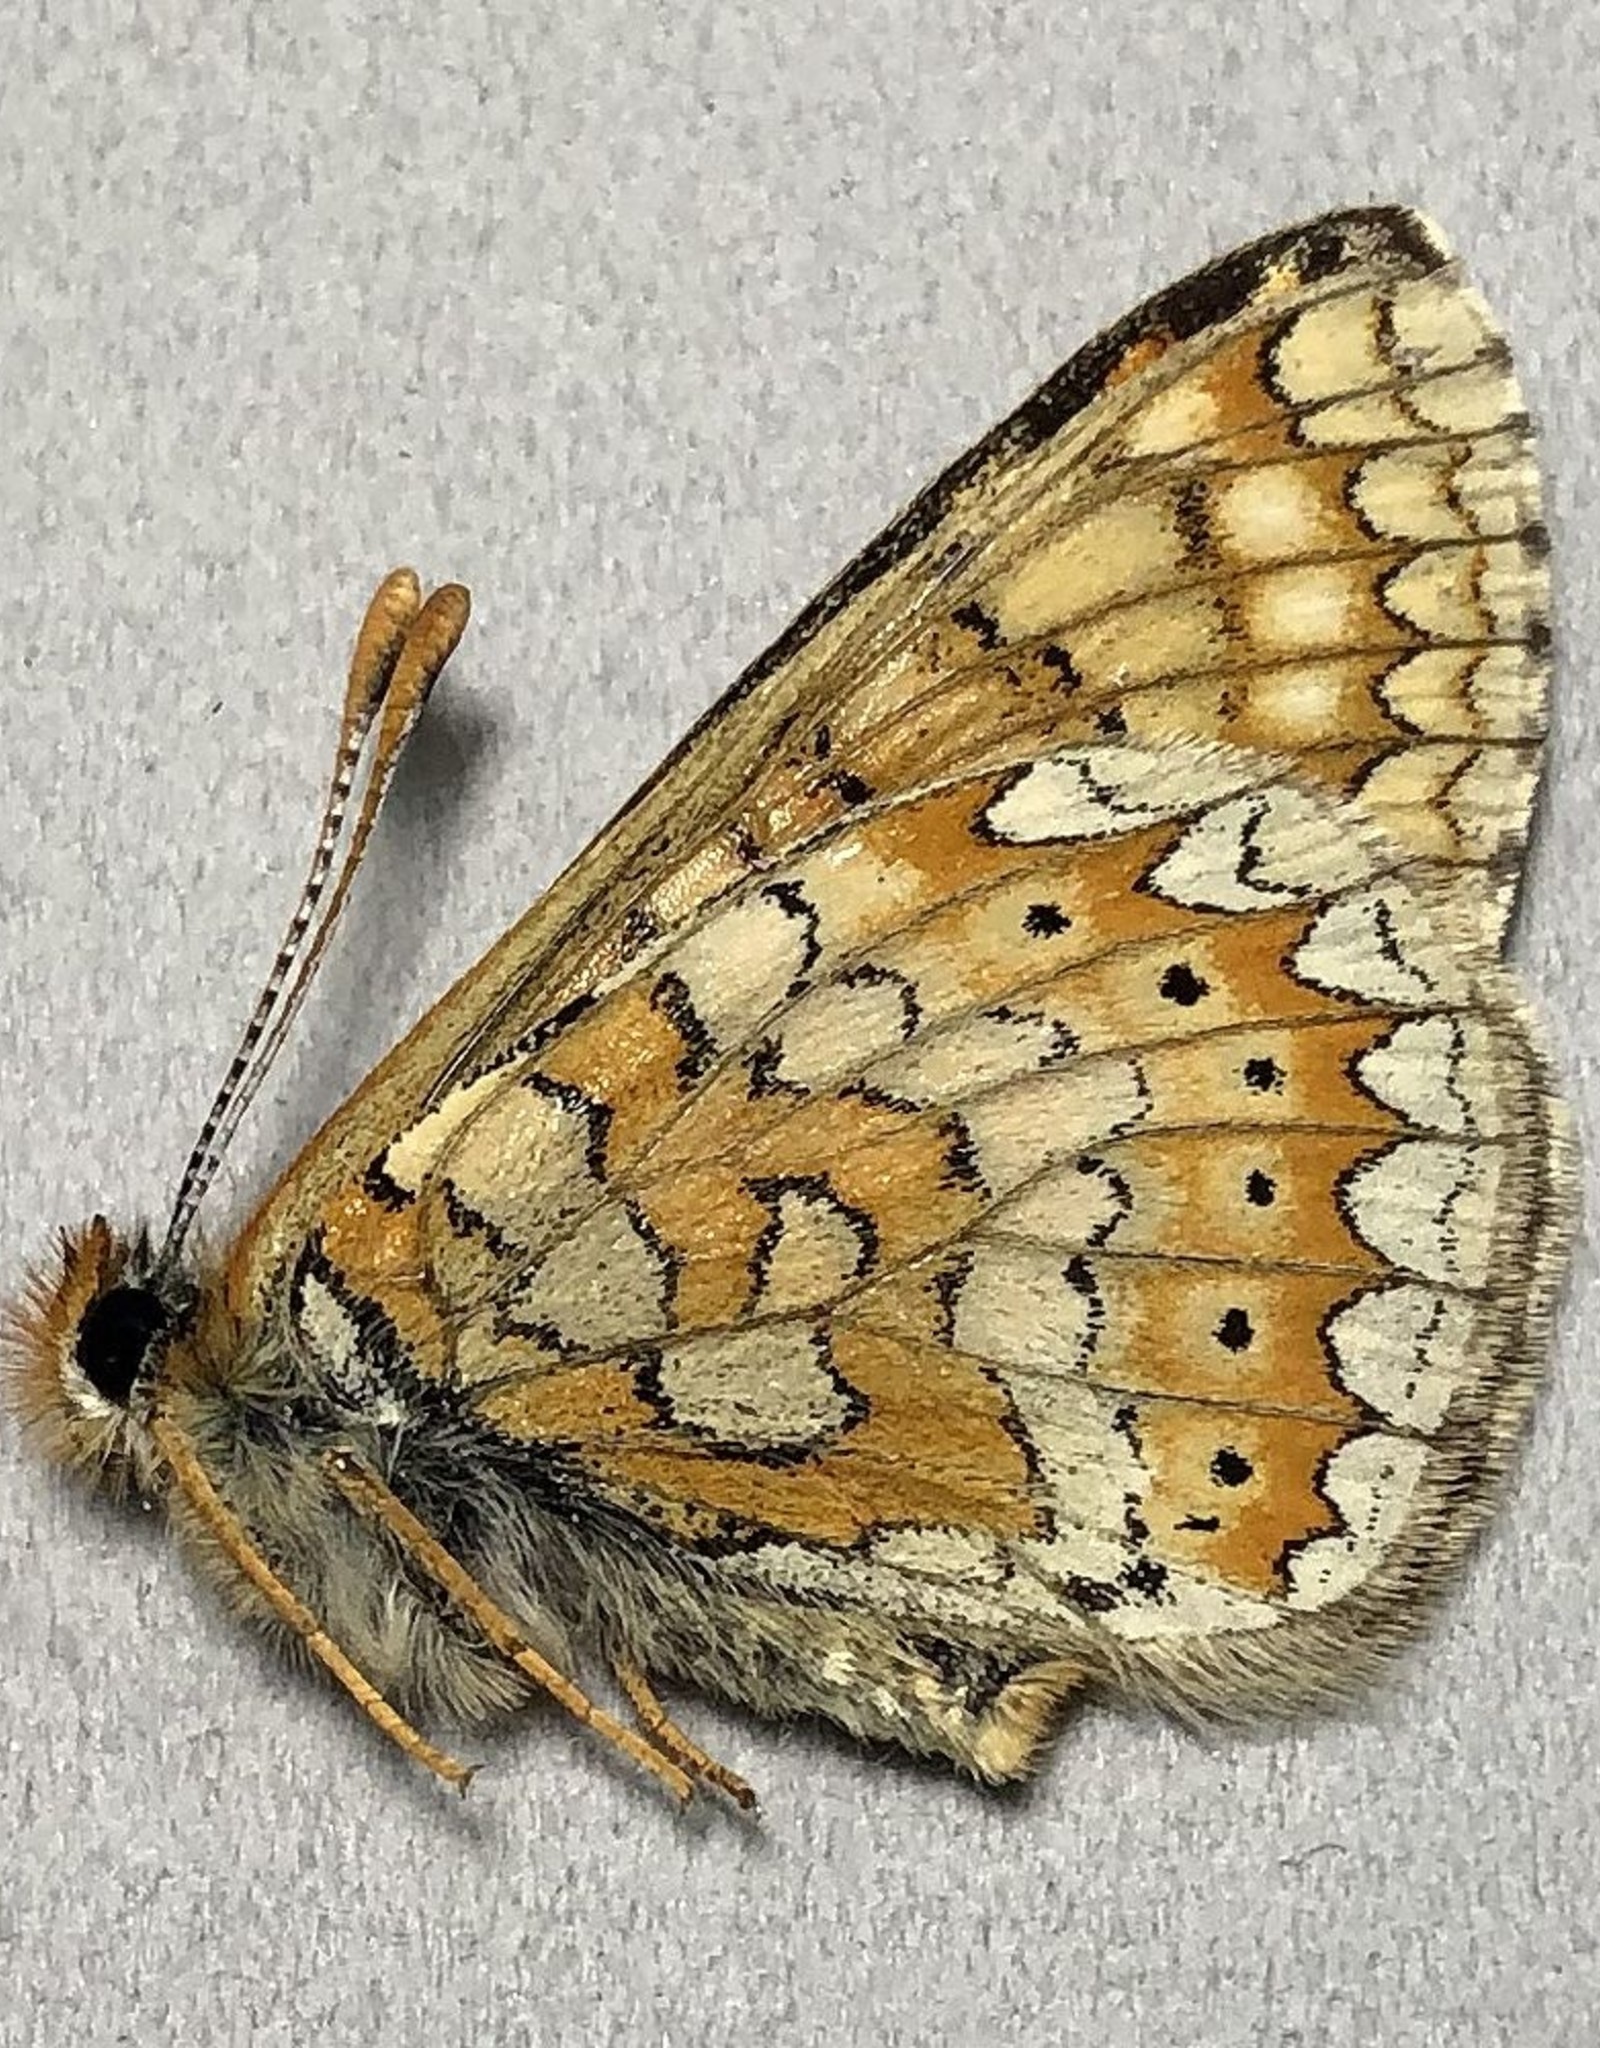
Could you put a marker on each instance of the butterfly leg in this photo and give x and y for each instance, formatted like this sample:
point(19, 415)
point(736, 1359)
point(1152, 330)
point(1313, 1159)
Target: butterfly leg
point(367, 1493)
point(207, 1503)
point(667, 1735)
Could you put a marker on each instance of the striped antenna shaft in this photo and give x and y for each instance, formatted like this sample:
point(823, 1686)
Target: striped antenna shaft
point(440, 626)
point(389, 618)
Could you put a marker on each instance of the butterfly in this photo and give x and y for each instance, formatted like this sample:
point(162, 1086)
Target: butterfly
point(1013, 1165)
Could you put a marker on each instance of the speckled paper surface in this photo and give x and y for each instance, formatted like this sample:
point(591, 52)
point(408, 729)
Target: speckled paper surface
point(640, 321)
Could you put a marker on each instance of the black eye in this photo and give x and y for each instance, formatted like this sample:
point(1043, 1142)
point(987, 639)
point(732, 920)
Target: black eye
point(114, 1339)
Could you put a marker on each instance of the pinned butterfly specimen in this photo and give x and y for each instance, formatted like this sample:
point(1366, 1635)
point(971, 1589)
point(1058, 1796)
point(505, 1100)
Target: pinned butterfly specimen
point(1013, 1165)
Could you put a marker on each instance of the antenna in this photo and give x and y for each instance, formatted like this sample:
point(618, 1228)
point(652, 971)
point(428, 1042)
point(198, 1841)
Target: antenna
point(400, 650)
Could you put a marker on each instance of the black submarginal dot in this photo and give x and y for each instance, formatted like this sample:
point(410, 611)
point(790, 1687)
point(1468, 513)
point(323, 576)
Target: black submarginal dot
point(1234, 1332)
point(1260, 1189)
point(1181, 985)
point(1112, 723)
point(822, 743)
point(1045, 921)
point(1228, 1468)
point(1203, 1525)
point(1263, 1075)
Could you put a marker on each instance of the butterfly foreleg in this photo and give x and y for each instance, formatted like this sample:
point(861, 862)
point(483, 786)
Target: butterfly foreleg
point(230, 1535)
point(370, 1497)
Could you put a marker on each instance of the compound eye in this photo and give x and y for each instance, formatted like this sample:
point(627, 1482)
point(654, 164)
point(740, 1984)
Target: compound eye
point(115, 1337)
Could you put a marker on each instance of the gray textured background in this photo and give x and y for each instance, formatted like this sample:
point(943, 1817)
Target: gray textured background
point(639, 320)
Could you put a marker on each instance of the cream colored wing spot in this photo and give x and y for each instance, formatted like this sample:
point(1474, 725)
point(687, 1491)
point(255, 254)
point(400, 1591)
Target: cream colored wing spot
point(771, 1388)
point(1407, 1352)
point(1456, 1074)
point(1019, 1131)
point(838, 1027)
point(1306, 607)
point(1264, 849)
point(1471, 401)
point(814, 1247)
point(1457, 803)
point(1430, 1206)
point(1488, 802)
point(608, 1283)
point(1274, 511)
point(762, 944)
point(1020, 1307)
point(1498, 692)
point(1075, 1207)
point(1186, 415)
point(346, 1337)
point(328, 1325)
point(1487, 488)
point(1495, 590)
point(1375, 945)
point(524, 1166)
point(411, 1157)
point(1440, 323)
point(1331, 349)
point(1096, 793)
point(1371, 1484)
point(975, 1053)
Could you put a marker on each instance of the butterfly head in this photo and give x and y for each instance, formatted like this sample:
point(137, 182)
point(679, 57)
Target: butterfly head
point(84, 1342)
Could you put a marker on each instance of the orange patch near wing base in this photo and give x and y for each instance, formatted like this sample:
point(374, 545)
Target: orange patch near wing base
point(581, 1404)
point(934, 1448)
point(379, 1251)
point(624, 1053)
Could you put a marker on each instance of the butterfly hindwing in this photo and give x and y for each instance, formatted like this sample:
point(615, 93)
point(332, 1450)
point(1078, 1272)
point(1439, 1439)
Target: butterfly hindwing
point(1019, 1131)
point(1125, 1165)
